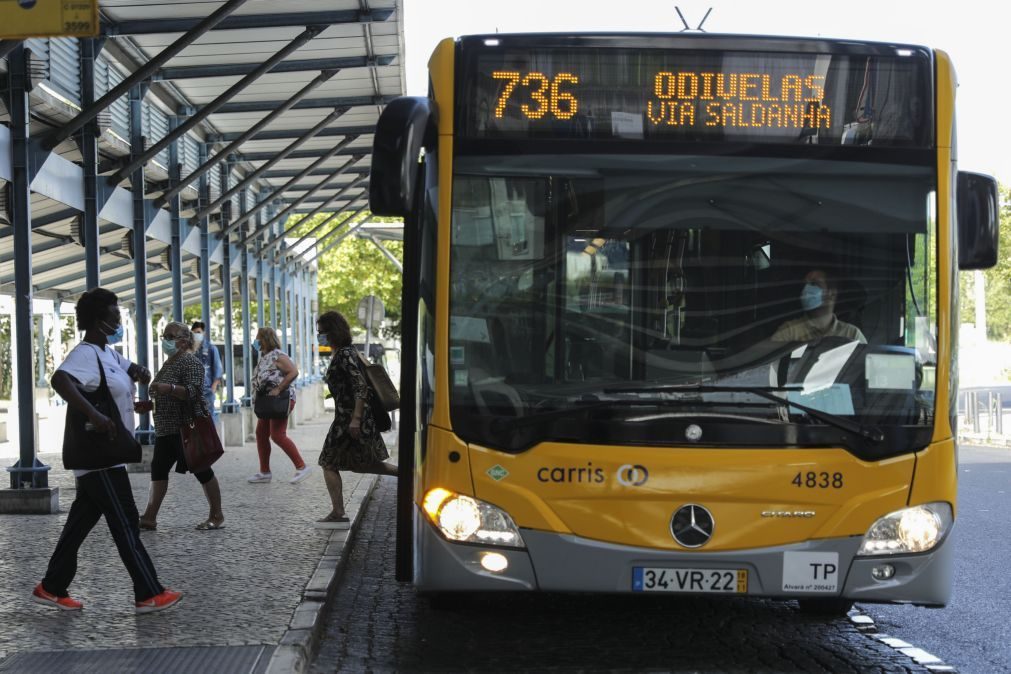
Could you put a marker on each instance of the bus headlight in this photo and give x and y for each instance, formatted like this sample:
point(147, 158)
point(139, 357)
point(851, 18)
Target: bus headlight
point(915, 529)
point(470, 520)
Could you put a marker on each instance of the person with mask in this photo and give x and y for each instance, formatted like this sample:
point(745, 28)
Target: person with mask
point(105, 492)
point(273, 376)
point(817, 299)
point(213, 371)
point(177, 391)
point(354, 442)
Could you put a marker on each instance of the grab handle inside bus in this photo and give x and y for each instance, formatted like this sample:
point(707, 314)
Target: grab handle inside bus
point(978, 222)
point(405, 127)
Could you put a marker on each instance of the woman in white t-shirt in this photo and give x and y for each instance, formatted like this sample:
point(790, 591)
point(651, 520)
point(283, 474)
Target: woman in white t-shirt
point(107, 491)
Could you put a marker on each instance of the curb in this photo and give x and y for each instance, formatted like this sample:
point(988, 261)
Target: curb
point(298, 646)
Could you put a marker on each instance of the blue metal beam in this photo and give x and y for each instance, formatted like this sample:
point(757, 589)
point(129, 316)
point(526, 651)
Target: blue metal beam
point(319, 162)
point(250, 133)
point(58, 264)
point(284, 20)
point(304, 104)
point(293, 66)
point(204, 188)
point(226, 284)
point(143, 74)
point(27, 472)
point(285, 134)
point(291, 173)
point(142, 322)
point(176, 249)
point(247, 365)
point(93, 193)
point(140, 158)
point(301, 154)
point(227, 194)
point(305, 197)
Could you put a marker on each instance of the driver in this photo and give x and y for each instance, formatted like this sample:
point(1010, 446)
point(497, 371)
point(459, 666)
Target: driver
point(819, 320)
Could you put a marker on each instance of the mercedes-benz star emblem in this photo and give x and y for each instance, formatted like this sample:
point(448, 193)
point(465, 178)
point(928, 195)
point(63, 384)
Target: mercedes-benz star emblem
point(692, 525)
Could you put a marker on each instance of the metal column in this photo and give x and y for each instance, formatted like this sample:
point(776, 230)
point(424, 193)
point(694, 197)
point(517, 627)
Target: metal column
point(261, 282)
point(303, 328)
point(89, 164)
point(204, 187)
point(142, 317)
point(226, 284)
point(314, 288)
point(274, 282)
point(283, 308)
point(247, 367)
point(176, 248)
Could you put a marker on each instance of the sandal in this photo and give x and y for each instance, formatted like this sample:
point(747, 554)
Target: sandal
point(146, 525)
point(207, 525)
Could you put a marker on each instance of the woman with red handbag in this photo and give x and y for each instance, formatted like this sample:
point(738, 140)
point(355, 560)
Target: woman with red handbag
point(353, 443)
point(177, 391)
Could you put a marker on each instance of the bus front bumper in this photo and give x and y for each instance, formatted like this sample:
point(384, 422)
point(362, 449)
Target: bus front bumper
point(567, 563)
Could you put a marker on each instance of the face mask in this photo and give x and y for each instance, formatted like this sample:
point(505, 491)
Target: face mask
point(256, 345)
point(169, 347)
point(198, 338)
point(116, 336)
point(811, 297)
point(323, 339)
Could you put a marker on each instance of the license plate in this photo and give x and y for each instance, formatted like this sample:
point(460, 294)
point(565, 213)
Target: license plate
point(719, 581)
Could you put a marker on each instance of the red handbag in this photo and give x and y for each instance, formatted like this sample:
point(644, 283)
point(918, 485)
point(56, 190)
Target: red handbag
point(201, 444)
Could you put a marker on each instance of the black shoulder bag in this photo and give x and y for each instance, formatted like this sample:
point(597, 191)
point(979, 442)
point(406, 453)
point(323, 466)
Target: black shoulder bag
point(88, 449)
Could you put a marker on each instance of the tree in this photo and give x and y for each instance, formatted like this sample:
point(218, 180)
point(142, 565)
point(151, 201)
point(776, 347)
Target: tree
point(996, 280)
point(356, 268)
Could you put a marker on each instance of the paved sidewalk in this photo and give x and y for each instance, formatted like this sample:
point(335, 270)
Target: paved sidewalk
point(241, 584)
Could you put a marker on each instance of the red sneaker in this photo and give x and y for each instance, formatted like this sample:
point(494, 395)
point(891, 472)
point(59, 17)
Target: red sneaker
point(40, 596)
point(160, 602)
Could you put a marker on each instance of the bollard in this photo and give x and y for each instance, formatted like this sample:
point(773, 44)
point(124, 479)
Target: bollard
point(974, 406)
point(998, 425)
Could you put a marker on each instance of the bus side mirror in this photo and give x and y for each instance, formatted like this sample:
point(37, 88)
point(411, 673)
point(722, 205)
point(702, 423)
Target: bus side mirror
point(406, 125)
point(978, 221)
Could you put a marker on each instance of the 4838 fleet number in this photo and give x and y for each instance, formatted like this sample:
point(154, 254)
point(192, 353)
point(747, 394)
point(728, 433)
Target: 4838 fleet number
point(814, 480)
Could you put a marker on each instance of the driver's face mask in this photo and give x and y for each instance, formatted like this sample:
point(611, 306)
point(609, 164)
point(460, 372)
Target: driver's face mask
point(811, 297)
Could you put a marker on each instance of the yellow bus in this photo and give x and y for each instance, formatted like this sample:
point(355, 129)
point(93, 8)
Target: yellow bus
point(680, 316)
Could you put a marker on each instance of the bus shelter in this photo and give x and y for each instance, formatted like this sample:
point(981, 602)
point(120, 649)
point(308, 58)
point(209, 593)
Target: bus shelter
point(163, 160)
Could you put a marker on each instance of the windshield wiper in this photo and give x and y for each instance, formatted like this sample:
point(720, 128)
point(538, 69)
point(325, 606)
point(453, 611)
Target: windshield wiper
point(504, 423)
point(869, 432)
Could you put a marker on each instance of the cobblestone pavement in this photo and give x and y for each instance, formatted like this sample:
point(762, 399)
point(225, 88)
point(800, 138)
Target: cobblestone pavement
point(379, 625)
point(240, 584)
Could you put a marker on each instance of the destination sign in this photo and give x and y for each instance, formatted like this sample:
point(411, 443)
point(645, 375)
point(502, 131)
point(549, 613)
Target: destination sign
point(612, 93)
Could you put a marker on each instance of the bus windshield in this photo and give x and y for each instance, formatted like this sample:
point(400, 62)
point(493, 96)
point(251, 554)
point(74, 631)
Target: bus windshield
point(621, 298)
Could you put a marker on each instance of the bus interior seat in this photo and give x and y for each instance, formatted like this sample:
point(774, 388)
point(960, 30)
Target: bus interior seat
point(492, 395)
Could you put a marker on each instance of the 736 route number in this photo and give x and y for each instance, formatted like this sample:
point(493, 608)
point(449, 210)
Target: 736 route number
point(823, 480)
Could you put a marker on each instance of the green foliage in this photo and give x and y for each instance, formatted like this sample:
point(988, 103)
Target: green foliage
point(997, 282)
point(356, 268)
point(6, 374)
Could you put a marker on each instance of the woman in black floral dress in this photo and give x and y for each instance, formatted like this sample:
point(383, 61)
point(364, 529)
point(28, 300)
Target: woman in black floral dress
point(354, 442)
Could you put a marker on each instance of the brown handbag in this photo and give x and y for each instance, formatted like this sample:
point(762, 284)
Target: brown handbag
point(201, 444)
point(380, 383)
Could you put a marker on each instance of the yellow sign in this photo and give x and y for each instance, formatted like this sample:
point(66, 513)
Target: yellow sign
point(21, 19)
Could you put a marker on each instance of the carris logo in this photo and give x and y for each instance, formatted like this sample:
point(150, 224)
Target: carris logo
point(632, 475)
